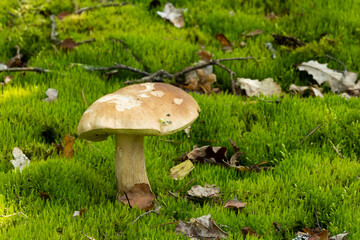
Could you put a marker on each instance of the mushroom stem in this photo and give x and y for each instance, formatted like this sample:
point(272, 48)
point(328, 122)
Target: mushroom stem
point(129, 162)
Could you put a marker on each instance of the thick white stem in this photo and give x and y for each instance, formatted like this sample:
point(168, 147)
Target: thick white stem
point(129, 162)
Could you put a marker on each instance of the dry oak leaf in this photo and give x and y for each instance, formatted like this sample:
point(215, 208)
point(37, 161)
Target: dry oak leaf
point(68, 150)
point(215, 155)
point(140, 195)
point(321, 74)
point(181, 170)
point(20, 160)
point(174, 15)
point(205, 55)
point(208, 191)
point(255, 87)
point(225, 43)
point(200, 80)
point(68, 44)
point(303, 89)
point(235, 204)
point(201, 228)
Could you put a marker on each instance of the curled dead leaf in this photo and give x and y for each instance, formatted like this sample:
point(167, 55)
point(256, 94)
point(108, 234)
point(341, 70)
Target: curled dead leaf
point(303, 89)
point(174, 15)
point(255, 87)
point(182, 170)
point(224, 42)
point(235, 204)
point(208, 191)
point(140, 195)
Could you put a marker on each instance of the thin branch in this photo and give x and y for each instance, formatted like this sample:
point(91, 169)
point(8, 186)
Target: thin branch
point(232, 74)
point(186, 185)
point(14, 214)
point(168, 223)
point(151, 211)
point(310, 133)
point(86, 41)
point(172, 194)
point(26, 69)
point(99, 6)
point(152, 78)
point(54, 34)
point(127, 199)
point(170, 141)
point(88, 237)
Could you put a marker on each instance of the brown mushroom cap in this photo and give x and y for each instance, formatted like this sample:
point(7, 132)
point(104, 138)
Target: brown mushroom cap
point(141, 109)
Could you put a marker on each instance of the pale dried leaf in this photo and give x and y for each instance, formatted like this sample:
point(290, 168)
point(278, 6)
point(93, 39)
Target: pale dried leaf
point(140, 195)
point(201, 228)
point(301, 90)
point(340, 236)
point(20, 160)
point(187, 131)
point(255, 87)
point(180, 171)
point(209, 191)
point(235, 204)
point(254, 33)
point(346, 96)
point(174, 15)
point(321, 74)
point(8, 79)
point(52, 95)
point(3, 66)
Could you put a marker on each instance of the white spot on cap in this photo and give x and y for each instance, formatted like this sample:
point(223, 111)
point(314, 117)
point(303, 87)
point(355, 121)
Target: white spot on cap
point(149, 87)
point(122, 102)
point(144, 95)
point(178, 101)
point(157, 93)
point(89, 110)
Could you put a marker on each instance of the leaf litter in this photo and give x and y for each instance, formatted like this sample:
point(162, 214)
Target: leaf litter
point(201, 228)
point(20, 160)
point(140, 195)
point(174, 15)
point(208, 191)
point(255, 87)
point(181, 170)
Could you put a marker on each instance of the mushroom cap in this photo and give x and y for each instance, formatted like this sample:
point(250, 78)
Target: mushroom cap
point(140, 109)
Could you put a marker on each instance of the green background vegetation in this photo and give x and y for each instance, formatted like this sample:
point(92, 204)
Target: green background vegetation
point(306, 177)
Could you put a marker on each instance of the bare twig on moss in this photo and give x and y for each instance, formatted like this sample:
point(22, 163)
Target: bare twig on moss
point(151, 211)
point(88, 237)
point(14, 214)
point(172, 194)
point(81, 10)
point(163, 224)
point(86, 41)
point(185, 185)
point(336, 149)
point(232, 75)
point(26, 69)
point(310, 133)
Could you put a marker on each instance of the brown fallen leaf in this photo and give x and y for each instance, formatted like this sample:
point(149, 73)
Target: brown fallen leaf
point(205, 55)
point(317, 234)
point(225, 43)
point(201, 228)
point(255, 87)
point(248, 231)
point(63, 14)
point(288, 41)
point(140, 195)
point(253, 33)
point(200, 80)
point(68, 44)
point(208, 191)
point(302, 90)
point(234, 158)
point(16, 61)
point(68, 150)
point(235, 204)
point(44, 195)
point(215, 155)
point(174, 15)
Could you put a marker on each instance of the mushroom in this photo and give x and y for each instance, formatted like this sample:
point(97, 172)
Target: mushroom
point(131, 113)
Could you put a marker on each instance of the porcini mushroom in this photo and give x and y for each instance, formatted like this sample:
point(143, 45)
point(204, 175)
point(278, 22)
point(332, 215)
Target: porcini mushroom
point(131, 113)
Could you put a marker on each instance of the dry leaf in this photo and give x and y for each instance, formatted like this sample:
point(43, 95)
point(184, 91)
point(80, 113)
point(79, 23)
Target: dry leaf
point(140, 195)
point(3, 66)
point(288, 41)
point(79, 213)
point(271, 16)
point(225, 43)
point(52, 95)
point(236, 155)
point(209, 191)
point(7, 80)
point(44, 195)
point(68, 44)
point(303, 89)
point(200, 80)
point(205, 55)
point(20, 160)
point(248, 231)
point(215, 155)
point(254, 33)
point(321, 74)
point(187, 131)
point(174, 15)
point(180, 171)
point(340, 236)
point(68, 150)
point(62, 15)
point(256, 88)
point(201, 228)
point(235, 204)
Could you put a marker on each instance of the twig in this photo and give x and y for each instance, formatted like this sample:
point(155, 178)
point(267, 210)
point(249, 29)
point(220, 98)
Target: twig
point(83, 98)
point(88, 237)
point(151, 211)
point(169, 140)
point(312, 131)
point(86, 41)
point(26, 69)
point(168, 223)
point(185, 185)
point(14, 214)
point(336, 149)
point(54, 34)
point(91, 145)
point(99, 6)
point(317, 219)
point(343, 72)
point(172, 194)
point(127, 199)
point(76, 5)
